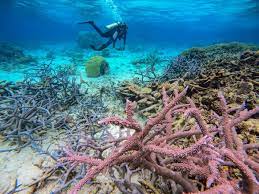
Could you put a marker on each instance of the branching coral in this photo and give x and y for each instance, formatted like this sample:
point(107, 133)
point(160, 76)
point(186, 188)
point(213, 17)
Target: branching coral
point(30, 107)
point(181, 66)
point(80, 131)
point(7, 88)
point(147, 69)
point(152, 147)
point(21, 117)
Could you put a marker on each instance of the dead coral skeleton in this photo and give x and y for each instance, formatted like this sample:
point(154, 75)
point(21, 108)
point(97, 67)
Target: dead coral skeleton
point(152, 147)
point(82, 131)
point(181, 66)
point(147, 67)
point(33, 106)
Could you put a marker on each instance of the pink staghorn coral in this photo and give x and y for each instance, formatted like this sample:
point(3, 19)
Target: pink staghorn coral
point(151, 147)
point(129, 122)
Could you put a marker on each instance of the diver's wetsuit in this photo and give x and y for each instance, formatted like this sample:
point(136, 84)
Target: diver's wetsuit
point(119, 31)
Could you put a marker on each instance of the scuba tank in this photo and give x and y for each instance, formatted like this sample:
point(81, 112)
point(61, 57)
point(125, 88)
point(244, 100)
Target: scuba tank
point(113, 25)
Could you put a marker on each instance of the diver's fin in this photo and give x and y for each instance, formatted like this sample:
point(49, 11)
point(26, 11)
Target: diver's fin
point(86, 22)
point(93, 47)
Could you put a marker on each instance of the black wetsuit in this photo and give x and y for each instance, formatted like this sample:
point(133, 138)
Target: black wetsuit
point(115, 33)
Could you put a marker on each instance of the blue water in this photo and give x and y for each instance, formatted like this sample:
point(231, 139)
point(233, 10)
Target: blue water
point(175, 23)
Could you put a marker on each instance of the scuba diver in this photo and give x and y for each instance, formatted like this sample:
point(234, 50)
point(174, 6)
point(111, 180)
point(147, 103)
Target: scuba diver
point(114, 32)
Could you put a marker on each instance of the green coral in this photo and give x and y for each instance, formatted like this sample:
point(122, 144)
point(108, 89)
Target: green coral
point(96, 66)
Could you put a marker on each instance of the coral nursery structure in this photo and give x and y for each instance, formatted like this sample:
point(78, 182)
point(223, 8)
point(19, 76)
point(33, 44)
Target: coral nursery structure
point(206, 163)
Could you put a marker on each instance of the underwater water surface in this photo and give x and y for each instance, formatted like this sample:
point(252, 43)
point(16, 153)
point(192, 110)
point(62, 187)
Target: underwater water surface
point(186, 72)
point(174, 22)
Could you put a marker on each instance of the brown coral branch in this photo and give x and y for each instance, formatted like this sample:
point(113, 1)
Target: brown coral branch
point(190, 168)
point(250, 177)
point(224, 188)
point(165, 172)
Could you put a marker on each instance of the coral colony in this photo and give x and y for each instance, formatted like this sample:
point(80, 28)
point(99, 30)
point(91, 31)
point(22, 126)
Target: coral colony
point(216, 151)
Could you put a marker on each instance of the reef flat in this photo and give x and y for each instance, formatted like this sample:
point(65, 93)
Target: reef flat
point(190, 123)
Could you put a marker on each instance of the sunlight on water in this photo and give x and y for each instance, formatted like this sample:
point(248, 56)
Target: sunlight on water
point(140, 10)
point(184, 10)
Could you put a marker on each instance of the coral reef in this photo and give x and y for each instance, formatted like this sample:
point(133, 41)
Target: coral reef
point(212, 154)
point(213, 52)
point(190, 129)
point(13, 57)
point(96, 66)
point(189, 64)
point(147, 97)
point(237, 78)
point(192, 61)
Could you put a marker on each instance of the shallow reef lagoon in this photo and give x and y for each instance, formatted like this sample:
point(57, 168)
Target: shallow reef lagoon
point(127, 96)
